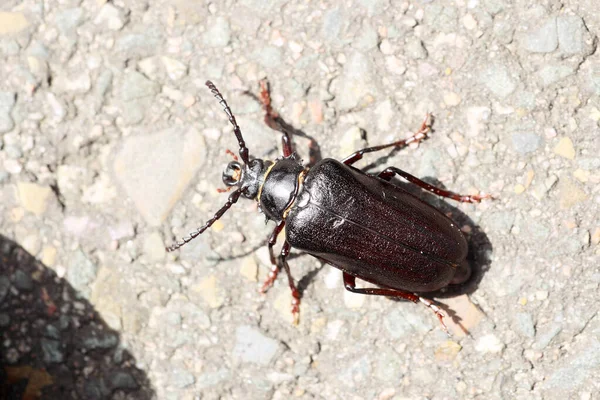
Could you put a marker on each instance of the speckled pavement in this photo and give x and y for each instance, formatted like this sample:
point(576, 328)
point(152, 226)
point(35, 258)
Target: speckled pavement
point(111, 147)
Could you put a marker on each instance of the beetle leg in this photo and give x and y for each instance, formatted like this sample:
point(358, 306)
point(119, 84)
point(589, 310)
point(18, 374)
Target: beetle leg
point(416, 138)
point(285, 250)
point(389, 172)
point(274, 266)
point(350, 285)
point(273, 120)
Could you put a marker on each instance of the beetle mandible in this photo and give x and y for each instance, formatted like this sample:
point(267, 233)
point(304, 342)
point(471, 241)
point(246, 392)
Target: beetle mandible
point(361, 224)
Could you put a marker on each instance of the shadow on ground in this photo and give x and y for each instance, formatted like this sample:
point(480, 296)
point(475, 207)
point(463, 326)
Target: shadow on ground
point(54, 345)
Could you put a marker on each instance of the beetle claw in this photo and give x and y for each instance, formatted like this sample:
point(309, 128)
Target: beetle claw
point(438, 313)
point(478, 197)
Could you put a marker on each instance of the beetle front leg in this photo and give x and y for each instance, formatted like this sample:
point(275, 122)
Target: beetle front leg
point(350, 285)
point(285, 251)
point(388, 173)
point(416, 138)
point(274, 265)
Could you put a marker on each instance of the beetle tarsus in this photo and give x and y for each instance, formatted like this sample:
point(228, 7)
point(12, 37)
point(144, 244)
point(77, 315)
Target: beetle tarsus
point(438, 312)
point(476, 198)
point(270, 279)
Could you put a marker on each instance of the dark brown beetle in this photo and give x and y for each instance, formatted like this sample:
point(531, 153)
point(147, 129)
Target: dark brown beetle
point(362, 224)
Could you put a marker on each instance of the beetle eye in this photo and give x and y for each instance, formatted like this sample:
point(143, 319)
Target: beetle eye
point(232, 174)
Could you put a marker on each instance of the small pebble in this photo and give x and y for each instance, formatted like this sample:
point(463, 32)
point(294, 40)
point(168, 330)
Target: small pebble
point(489, 344)
point(565, 148)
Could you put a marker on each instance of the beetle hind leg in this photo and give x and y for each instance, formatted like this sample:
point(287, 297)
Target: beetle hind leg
point(350, 285)
point(285, 251)
point(388, 173)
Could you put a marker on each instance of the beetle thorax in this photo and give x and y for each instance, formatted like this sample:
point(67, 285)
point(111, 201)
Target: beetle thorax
point(280, 188)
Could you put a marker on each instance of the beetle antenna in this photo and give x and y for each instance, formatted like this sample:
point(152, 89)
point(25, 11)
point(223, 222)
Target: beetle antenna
point(233, 198)
point(236, 128)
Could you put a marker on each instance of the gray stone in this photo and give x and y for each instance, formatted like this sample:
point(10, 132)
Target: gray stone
point(356, 82)
point(525, 142)
point(111, 17)
point(4, 319)
point(52, 332)
point(81, 272)
point(218, 33)
point(51, 351)
point(542, 188)
point(95, 389)
point(542, 40)
point(7, 103)
point(543, 339)
point(181, 378)
point(572, 373)
point(523, 322)
point(494, 6)
point(359, 371)
point(254, 347)
point(38, 49)
point(333, 23)
point(501, 221)
point(565, 245)
point(571, 31)
point(136, 85)
point(399, 323)
point(9, 47)
point(137, 44)
point(101, 87)
point(553, 73)
point(415, 49)
point(366, 39)
point(388, 367)
point(92, 338)
point(534, 230)
point(4, 287)
point(503, 30)
point(68, 20)
point(154, 169)
point(268, 56)
point(22, 280)
point(209, 379)
point(374, 7)
point(13, 152)
point(122, 380)
point(498, 80)
point(79, 84)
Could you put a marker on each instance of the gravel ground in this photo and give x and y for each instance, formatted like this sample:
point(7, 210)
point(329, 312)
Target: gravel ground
point(111, 147)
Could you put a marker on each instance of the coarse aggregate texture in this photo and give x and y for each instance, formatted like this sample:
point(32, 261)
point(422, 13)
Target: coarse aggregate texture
point(111, 147)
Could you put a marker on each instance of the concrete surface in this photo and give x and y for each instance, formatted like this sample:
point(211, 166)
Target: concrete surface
point(111, 147)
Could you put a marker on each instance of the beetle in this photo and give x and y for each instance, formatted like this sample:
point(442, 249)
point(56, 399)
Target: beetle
point(362, 224)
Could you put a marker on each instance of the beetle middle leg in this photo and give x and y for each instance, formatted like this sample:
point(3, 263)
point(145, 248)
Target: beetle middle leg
point(390, 172)
point(350, 285)
point(416, 138)
point(274, 265)
point(285, 251)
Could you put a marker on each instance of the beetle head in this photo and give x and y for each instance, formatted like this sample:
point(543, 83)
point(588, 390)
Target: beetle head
point(249, 176)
